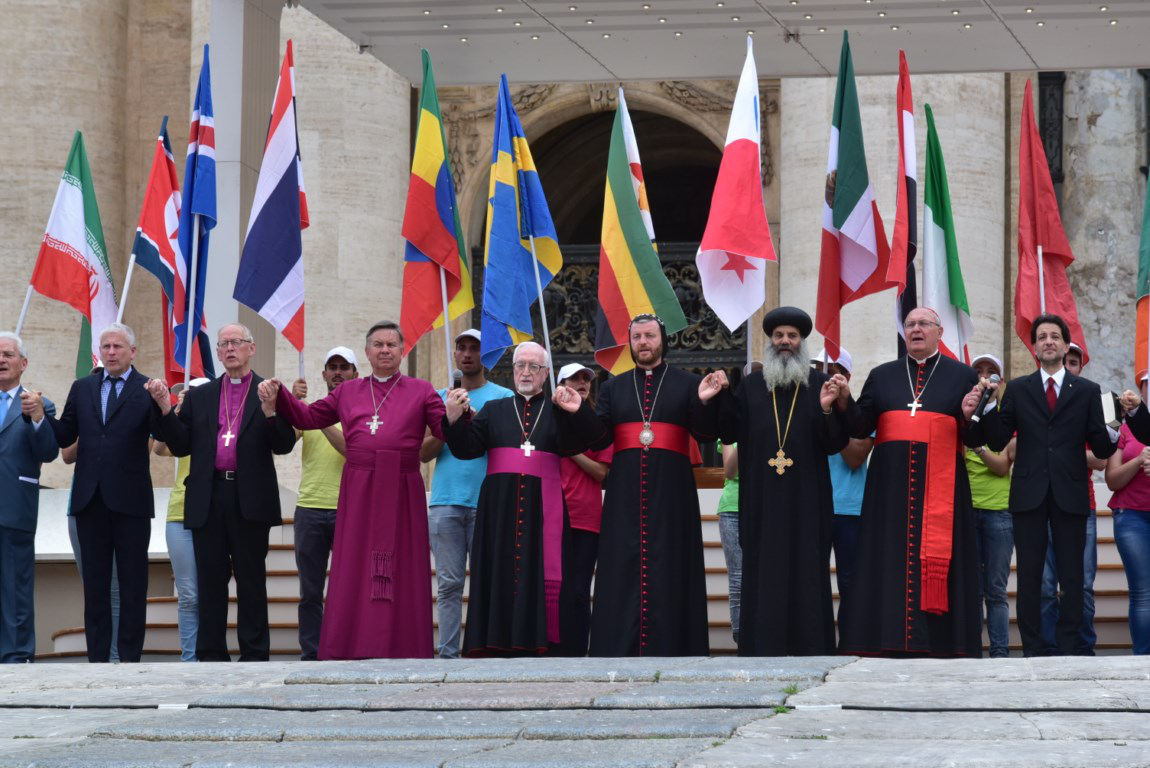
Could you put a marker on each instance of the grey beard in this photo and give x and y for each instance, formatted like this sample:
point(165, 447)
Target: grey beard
point(786, 371)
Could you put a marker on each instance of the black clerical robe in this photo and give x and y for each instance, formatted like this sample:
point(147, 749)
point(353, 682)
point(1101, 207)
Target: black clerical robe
point(518, 603)
point(786, 519)
point(916, 579)
point(650, 585)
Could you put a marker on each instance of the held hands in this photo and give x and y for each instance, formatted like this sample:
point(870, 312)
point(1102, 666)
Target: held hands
point(299, 389)
point(159, 392)
point(32, 404)
point(268, 391)
point(712, 384)
point(458, 403)
point(567, 399)
point(844, 390)
point(828, 395)
point(1130, 400)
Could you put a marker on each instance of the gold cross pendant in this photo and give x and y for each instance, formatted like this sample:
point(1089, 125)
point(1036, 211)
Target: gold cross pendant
point(781, 462)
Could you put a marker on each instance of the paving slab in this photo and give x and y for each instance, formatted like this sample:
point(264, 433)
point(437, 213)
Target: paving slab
point(25, 724)
point(310, 697)
point(628, 753)
point(971, 695)
point(376, 671)
point(746, 669)
point(815, 753)
point(683, 695)
point(577, 695)
point(857, 724)
point(35, 677)
point(916, 671)
point(609, 670)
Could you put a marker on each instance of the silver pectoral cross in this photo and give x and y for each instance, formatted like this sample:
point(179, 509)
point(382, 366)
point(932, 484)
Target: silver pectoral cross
point(374, 423)
point(914, 406)
point(527, 448)
point(228, 436)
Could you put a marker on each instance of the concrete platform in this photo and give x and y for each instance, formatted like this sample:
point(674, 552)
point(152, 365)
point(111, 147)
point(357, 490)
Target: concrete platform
point(831, 711)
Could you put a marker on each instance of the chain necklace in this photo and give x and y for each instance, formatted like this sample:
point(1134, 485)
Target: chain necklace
point(916, 397)
point(647, 435)
point(781, 460)
point(375, 422)
point(526, 445)
point(229, 417)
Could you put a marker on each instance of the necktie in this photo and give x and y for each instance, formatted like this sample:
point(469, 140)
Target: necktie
point(1051, 395)
point(4, 397)
point(111, 404)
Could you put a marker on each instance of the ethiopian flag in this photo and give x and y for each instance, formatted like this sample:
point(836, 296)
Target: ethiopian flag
point(631, 279)
point(943, 289)
point(1142, 294)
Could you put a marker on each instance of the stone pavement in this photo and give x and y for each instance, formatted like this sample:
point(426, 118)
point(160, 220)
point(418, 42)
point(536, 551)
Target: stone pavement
point(832, 712)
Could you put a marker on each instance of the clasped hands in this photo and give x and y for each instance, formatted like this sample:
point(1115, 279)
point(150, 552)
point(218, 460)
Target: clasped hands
point(835, 391)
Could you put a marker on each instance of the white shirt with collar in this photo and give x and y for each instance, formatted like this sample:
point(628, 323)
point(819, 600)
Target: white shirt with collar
point(1058, 377)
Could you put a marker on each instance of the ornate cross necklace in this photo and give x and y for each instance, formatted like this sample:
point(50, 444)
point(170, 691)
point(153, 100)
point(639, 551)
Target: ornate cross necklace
point(229, 417)
point(781, 460)
point(646, 434)
point(375, 423)
point(526, 445)
point(916, 397)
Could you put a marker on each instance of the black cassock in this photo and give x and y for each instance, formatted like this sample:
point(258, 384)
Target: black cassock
point(785, 520)
point(507, 600)
point(650, 585)
point(883, 614)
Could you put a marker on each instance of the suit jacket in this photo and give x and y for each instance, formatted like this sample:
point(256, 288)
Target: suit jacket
point(113, 457)
point(23, 449)
point(1051, 449)
point(195, 432)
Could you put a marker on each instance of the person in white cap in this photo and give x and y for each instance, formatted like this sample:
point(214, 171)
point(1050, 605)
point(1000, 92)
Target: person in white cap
point(314, 527)
point(583, 475)
point(454, 497)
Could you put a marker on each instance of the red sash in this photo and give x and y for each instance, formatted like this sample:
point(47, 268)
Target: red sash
point(668, 437)
point(939, 432)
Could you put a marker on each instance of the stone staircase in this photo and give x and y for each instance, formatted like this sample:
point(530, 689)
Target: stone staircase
point(162, 640)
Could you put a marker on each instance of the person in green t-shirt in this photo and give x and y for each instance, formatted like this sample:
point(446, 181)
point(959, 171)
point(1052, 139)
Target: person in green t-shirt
point(729, 531)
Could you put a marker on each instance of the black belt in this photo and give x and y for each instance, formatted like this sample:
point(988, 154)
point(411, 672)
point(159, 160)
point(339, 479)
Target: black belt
point(225, 474)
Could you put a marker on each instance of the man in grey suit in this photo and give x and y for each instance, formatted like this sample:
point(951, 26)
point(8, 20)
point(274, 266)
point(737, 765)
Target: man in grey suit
point(24, 445)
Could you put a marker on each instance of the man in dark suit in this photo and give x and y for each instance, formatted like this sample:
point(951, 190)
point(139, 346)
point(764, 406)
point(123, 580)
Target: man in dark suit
point(232, 498)
point(1055, 414)
point(24, 445)
point(113, 417)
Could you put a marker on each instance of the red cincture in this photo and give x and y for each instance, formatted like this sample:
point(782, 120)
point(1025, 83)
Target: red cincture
point(913, 514)
point(520, 494)
point(643, 582)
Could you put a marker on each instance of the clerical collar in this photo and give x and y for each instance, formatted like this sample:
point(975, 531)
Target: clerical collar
point(385, 379)
point(240, 380)
point(925, 359)
point(651, 371)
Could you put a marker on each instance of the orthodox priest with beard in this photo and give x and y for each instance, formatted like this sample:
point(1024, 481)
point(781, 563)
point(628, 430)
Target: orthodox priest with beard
point(520, 603)
point(786, 419)
point(650, 586)
point(916, 588)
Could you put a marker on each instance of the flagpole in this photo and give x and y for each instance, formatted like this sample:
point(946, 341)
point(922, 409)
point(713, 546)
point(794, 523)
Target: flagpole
point(1041, 284)
point(543, 312)
point(24, 309)
point(127, 285)
point(301, 368)
point(190, 310)
point(748, 343)
point(447, 327)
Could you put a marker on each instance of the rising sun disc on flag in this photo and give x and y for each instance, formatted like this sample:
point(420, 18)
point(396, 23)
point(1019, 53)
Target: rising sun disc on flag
point(738, 263)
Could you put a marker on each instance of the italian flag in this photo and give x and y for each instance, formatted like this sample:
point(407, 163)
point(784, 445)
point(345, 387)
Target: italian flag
point(1142, 294)
point(943, 289)
point(73, 263)
point(855, 251)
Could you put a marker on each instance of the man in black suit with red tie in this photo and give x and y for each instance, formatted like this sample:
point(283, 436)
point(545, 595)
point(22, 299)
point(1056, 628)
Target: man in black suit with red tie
point(1054, 414)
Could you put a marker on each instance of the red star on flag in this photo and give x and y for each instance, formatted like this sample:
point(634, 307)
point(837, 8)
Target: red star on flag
point(737, 263)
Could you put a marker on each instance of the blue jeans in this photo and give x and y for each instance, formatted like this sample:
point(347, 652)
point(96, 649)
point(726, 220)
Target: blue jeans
point(1132, 535)
point(451, 528)
point(733, 554)
point(994, 542)
point(1088, 637)
point(846, 544)
point(314, 536)
point(74, 537)
point(182, 554)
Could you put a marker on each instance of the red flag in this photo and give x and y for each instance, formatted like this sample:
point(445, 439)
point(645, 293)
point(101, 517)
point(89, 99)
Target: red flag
point(904, 241)
point(1039, 224)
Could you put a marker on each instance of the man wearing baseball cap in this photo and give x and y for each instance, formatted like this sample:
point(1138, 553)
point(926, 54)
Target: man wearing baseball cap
point(454, 497)
point(322, 463)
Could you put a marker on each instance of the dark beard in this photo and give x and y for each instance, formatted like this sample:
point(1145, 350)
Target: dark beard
point(780, 372)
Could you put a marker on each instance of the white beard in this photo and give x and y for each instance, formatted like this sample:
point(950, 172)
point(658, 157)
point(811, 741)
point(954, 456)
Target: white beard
point(782, 371)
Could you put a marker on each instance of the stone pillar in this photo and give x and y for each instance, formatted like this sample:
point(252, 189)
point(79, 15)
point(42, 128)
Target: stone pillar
point(969, 117)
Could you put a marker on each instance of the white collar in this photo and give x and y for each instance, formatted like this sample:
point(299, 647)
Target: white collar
point(1058, 377)
point(925, 359)
point(386, 379)
point(14, 392)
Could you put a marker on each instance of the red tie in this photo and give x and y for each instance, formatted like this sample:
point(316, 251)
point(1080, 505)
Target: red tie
point(1051, 395)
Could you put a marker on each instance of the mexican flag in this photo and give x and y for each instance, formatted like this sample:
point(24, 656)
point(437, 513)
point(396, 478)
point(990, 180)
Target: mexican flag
point(943, 289)
point(73, 263)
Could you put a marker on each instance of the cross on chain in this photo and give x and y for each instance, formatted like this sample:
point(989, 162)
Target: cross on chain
point(914, 406)
point(781, 462)
point(374, 423)
point(228, 437)
point(527, 448)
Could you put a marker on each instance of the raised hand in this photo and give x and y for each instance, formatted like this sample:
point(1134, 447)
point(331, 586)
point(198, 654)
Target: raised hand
point(829, 394)
point(32, 404)
point(712, 384)
point(269, 390)
point(457, 403)
point(567, 399)
point(1130, 400)
point(160, 394)
point(299, 389)
point(970, 402)
point(844, 390)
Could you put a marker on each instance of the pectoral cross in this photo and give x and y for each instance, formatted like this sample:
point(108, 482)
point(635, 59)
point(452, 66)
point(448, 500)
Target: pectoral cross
point(228, 437)
point(374, 423)
point(914, 406)
point(527, 448)
point(781, 462)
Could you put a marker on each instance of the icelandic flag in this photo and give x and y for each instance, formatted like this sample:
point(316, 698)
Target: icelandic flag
point(270, 277)
point(199, 213)
point(157, 249)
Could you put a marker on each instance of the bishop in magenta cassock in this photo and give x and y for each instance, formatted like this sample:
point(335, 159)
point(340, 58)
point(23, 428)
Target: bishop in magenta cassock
point(378, 599)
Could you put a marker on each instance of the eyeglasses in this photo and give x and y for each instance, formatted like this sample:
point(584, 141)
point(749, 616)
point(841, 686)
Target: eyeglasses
point(231, 343)
point(525, 366)
point(920, 324)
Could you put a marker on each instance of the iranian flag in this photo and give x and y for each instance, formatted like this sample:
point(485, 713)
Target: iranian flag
point(73, 263)
point(943, 289)
point(855, 251)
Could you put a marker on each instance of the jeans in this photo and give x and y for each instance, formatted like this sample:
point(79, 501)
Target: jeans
point(1050, 593)
point(182, 554)
point(314, 534)
point(733, 554)
point(451, 528)
point(994, 542)
point(114, 652)
point(845, 543)
point(579, 559)
point(1132, 535)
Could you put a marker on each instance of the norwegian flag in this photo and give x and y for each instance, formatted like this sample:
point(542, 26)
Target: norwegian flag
point(270, 277)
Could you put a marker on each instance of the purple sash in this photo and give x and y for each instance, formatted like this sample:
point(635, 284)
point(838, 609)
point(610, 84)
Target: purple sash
point(545, 466)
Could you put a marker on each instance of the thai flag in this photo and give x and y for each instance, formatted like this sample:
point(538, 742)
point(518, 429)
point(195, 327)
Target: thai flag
point(270, 278)
point(198, 214)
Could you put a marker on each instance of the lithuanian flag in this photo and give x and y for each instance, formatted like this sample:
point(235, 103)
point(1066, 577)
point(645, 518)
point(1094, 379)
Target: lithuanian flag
point(631, 279)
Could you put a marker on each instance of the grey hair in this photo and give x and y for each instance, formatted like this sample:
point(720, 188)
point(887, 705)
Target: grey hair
point(129, 334)
point(19, 342)
point(528, 345)
point(247, 333)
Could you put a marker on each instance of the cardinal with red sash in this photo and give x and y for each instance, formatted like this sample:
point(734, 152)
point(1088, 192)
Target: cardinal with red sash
point(519, 603)
point(650, 588)
point(916, 588)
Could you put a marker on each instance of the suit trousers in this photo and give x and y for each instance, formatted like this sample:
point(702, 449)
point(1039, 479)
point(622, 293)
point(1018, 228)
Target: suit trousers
point(17, 616)
point(226, 545)
point(104, 536)
point(1068, 533)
